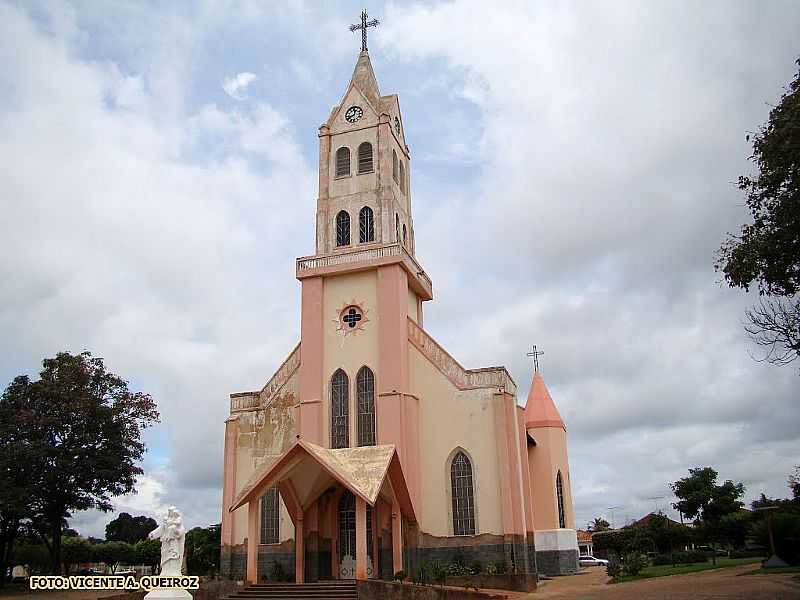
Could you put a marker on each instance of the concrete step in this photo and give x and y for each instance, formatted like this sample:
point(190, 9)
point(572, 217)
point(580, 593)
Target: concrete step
point(327, 590)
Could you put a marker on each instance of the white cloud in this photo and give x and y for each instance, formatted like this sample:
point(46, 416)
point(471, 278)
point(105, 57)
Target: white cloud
point(588, 153)
point(124, 235)
point(236, 86)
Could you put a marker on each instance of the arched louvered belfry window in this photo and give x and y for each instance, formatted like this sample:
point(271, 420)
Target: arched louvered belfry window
point(343, 161)
point(394, 165)
point(562, 521)
point(270, 517)
point(340, 410)
point(405, 234)
point(402, 177)
point(343, 228)
point(366, 225)
point(365, 388)
point(365, 158)
point(397, 227)
point(463, 495)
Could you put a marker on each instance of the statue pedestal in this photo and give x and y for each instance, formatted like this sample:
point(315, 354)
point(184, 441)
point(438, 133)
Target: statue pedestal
point(168, 595)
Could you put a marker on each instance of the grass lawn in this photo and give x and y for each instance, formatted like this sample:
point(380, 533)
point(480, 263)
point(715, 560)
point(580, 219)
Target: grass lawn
point(773, 571)
point(664, 570)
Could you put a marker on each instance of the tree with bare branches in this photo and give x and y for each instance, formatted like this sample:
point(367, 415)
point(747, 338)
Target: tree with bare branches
point(766, 252)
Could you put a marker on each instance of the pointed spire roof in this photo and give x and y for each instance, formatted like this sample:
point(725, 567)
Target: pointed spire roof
point(364, 79)
point(540, 410)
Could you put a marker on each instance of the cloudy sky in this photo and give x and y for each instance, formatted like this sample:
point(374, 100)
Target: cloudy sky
point(573, 169)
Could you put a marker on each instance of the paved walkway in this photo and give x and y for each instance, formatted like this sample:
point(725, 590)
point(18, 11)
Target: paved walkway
point(717, 584)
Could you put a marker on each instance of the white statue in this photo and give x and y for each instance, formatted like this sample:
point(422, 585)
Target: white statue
point(172, 535)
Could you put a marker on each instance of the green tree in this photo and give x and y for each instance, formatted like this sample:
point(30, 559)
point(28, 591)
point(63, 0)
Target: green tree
point(80, 428)
point(114, 554)
point(202, 550)
point(700, 497)
point(794, 484)
point(766, 252)
point(148, 552)
point(126, 528)
point(74, 551)
point(598, 524)
point(34, 556)
point(15, 473)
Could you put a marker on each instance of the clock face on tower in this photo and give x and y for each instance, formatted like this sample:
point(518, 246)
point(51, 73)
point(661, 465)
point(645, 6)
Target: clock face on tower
point(353, 114)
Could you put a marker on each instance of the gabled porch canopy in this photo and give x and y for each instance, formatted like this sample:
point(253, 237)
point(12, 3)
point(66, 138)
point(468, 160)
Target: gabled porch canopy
point(305, 471)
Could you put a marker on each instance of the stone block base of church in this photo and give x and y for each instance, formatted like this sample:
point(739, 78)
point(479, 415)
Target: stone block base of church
point(516, 552)
point(556, 551)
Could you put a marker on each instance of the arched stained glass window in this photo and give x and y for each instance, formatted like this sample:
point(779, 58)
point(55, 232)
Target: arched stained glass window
point(365, 158)
point(402, 177)
point(394, 165)
point(462, 495)
point(366, 225)
point(343, 161)
point(365, 387)
point(343, 228)
point(562, 521)
point(340, 410)
point(270, 517)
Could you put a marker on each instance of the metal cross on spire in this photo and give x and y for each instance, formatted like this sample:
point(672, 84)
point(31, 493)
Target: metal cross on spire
point(535, 354)
point(363, 27)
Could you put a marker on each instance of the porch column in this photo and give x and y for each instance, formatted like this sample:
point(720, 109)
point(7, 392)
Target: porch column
point(397, 538)
point(361, 538)
point(252, 540)
point(299, 549)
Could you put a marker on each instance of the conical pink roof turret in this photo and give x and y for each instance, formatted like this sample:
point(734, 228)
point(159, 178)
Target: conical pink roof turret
point(540, 410)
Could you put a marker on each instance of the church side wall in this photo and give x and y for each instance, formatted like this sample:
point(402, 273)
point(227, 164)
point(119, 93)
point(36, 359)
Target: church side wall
point(261, 436)
point(450, 419)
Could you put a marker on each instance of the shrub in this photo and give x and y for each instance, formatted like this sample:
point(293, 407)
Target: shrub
point(613, 568)
point(439, 572)
point(663, 559)
point(501, 566)
point(399, 576)
point(476, 567)
point(491, 569)
point(277, 572)
point(422, 573)
point(634, 563)
point(458, 557)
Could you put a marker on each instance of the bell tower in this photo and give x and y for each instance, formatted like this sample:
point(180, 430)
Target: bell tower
point(364, 170)
point(363, 284)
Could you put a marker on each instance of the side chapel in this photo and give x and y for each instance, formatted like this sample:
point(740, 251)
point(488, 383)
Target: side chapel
point(371, 449)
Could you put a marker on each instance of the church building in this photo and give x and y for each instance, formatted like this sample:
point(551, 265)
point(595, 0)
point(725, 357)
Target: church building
point(371, 450)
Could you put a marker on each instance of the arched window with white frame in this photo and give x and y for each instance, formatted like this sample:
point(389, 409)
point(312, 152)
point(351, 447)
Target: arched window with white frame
point(562, 520)
point(343, 228)
point(462, 493)
point(343, 161)
point(340, 410)
point(365, 391)
point(365, 158)
point(366, 225)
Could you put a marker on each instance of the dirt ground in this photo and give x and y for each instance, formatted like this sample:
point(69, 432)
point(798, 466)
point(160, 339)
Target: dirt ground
point(719, 584)
point(22, 594)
